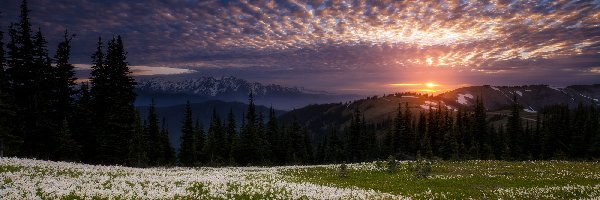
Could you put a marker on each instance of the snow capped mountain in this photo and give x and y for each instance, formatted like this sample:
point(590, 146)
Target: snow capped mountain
point(212, 87)
point(167, 92)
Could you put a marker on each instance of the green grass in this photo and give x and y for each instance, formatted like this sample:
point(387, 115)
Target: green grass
point(468, 179)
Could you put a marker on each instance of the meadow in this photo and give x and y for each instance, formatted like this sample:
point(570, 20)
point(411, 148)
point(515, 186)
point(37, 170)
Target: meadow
point(35, 179)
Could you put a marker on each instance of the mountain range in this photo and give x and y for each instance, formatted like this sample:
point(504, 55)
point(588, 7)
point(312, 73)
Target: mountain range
point(228, 88)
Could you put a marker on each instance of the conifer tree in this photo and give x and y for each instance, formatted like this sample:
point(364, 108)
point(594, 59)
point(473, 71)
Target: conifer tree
point(169, 156)
point(214, 148)
point(249, 138)
point(231, 131)
point(81, 123)
point(9, 143)
point(187, 150)
point(514, 129)
point(137, 155)
point(68, 149)
point(64, 80)
point(155, 148)
point(113, 96)
point(273, 136)
point(199, 141)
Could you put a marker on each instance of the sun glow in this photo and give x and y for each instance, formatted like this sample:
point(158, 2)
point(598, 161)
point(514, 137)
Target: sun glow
point(428, 87)
point(431, 85)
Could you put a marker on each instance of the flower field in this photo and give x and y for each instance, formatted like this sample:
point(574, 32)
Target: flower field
point(35, 179)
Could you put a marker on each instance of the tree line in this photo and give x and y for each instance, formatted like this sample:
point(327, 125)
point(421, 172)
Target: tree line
point(468, 133)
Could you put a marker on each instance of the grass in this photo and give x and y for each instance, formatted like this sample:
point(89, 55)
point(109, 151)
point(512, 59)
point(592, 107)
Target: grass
point(468, 179)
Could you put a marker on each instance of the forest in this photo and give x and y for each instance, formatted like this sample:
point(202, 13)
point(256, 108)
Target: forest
point(46, 114)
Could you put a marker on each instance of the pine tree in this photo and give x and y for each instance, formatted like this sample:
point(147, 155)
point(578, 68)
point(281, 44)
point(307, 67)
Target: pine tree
point(213, 147)
point(249, 138)
point(231, 131)
point(137, 155)
point(82, 121)
point(425, 139)
point(64, 80)
point(68, 149)
point(514, 129)
point(169, 156)
point(187, 150)
point(199, 141)
point(23, 76)
point(9, 143)
point(113, 96)
point(480, 128)
point(273, 136)
point(155, 148)
point(356, 151)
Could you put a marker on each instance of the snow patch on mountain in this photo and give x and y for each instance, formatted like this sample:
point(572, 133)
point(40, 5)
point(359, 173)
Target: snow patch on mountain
point(519, 93)
point(529, 110)
point(462, 98)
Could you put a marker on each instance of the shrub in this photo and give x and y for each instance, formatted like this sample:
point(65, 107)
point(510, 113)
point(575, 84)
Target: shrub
point(420, 168)
point(343, 170)
point(392, 165)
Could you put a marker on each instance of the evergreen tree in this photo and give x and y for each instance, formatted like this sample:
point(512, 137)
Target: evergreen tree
point(9, 143)
point(480, 129)
point(187, 150)
point(514, 128)
point(113, 96)
point(231, 131)
point(137, 155)
point(81, 123)
point(272, 134)
point(214, 148)
point(169, 152)
point(425, 139)
point(64, 80)
point(355, 148)
point(68, 149)
point(249, 136)
point(155, 148)
point(200, 141)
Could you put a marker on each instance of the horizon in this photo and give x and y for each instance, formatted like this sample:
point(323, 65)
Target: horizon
point(357, 47)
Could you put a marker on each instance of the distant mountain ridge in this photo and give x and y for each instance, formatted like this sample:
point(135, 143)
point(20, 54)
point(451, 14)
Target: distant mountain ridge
point(320, 118)
point(531, 97)
point(229, 88)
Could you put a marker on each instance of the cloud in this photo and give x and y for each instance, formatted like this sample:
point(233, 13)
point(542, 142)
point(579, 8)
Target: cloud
point(141, 70)
point(332, 37)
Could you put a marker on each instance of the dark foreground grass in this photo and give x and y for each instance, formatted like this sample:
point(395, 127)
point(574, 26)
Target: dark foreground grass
point(468, 179)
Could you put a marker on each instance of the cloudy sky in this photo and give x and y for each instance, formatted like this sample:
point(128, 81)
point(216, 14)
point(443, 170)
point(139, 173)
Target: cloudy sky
point(355, 46)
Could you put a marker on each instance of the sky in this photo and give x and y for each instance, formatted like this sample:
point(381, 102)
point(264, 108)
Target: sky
point(360, 46)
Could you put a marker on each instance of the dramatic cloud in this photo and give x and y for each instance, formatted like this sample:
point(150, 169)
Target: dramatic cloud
point(374, 42)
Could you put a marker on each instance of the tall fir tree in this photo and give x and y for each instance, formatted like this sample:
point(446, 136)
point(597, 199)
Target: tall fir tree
point(231, 133)
point(514, 129)
point(214, 148)
point(169, 156)
point(480, 128)
point(137, 155)
point(9, 143)
point(64, 80)
point(82, 124)
point(155, 148)
point(199, 141)
point(68, 149)
point(187, 150)
point(113, 96)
